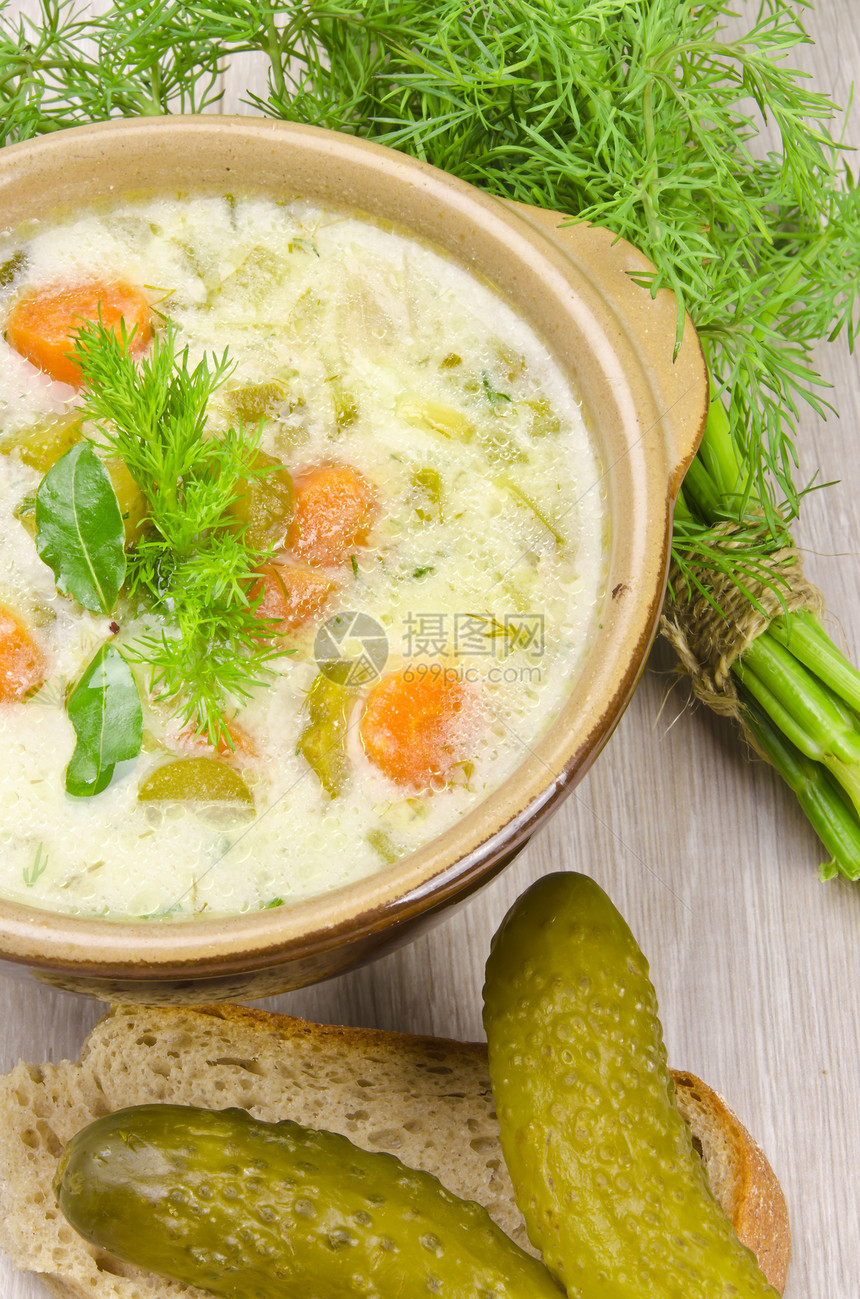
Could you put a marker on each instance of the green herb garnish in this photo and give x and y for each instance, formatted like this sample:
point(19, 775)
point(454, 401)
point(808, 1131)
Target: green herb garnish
point(105, 710)
point(192, 565)
point(508, 485)
point(493, 395)
point(79, 529)
point(80, 535)
point(37, 867)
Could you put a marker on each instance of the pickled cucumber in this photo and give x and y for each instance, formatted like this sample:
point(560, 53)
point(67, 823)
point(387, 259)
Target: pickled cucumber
point(602, 1163)
point(427, 494)
point(436, 417)
point(264, 503)
point(323, 740)
point(42, 445)
point(133, 505)
point(253, 1210)
point(195, 780)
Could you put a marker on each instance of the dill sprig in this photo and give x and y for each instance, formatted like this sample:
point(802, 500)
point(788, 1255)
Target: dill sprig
point(191, 566)
point(65, 68)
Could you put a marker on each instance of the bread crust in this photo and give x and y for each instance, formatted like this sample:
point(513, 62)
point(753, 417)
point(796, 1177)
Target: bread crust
point(741, 1177)
point(426, 1099)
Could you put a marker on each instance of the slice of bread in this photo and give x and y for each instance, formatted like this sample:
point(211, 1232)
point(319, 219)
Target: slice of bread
point(426, 1100)
point(740, 1176)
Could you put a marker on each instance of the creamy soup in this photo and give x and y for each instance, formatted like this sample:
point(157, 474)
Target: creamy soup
point(422, 649)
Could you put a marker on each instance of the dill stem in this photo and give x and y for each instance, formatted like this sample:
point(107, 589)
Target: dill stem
point(25, 67)
point(651, 155)
point(804, 637)
point(802, 685)
point(718, 450)
point(789, 280)
point(156, 85)
point(683, 513)
point(826, 808)
point(817, 723)
point(703, 493)
point(274, 50)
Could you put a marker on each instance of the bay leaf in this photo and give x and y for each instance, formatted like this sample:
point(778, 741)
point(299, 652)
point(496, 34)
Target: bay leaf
point(79, 529)
point(105, 710)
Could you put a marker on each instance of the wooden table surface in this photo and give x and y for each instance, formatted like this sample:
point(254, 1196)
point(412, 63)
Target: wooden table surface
point(756, 963)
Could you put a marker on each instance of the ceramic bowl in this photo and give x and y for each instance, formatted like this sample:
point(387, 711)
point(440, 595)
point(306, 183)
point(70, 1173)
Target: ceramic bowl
point(645, 411)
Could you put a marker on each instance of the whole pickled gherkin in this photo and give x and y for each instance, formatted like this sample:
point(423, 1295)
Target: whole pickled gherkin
point(602, 1164)
point(254, 1210)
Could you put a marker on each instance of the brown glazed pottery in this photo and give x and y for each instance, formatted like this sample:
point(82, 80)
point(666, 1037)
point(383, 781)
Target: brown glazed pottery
point(645, 412)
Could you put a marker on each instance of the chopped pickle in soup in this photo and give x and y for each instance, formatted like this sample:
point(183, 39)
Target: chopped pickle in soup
point(419, 515)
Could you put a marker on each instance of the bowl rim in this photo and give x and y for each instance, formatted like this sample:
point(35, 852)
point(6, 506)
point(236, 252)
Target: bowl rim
point(429, 877)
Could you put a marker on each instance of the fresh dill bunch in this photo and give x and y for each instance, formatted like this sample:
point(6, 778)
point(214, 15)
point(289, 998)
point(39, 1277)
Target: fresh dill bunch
point(63, 68)
point(191, 566)
point(644, 116)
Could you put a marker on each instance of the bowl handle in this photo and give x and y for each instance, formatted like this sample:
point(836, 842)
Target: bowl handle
point(609, 263)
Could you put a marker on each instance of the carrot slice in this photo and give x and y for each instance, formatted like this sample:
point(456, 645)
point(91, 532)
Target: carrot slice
point(291, 596)
point(22, 666)
point(417, 725)
point(335, 505)
point(42, 324)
